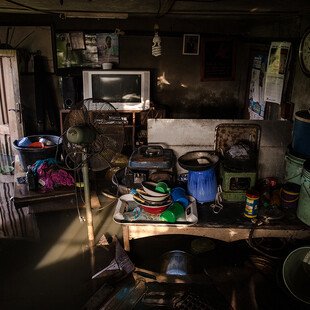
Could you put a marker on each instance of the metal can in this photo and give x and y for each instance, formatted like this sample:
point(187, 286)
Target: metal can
point(251, 205)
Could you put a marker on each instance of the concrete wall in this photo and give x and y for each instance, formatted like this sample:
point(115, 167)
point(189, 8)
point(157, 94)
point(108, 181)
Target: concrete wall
point(186, 96)
point(183, 135)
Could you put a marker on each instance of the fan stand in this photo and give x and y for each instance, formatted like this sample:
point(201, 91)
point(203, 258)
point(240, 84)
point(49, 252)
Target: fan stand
point(89, 214)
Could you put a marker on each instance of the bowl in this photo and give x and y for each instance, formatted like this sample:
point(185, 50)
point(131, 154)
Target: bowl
point(154, 209)
point(145, 196)
point(107, 65)
point(149, 188)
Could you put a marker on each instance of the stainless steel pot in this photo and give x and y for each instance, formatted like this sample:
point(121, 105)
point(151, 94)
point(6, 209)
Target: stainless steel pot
point(177, 263)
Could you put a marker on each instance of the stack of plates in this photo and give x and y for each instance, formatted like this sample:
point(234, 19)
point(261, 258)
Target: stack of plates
point(150, 200)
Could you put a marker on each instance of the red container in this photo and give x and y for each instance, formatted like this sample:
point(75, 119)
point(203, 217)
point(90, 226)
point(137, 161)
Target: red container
point(154, 209)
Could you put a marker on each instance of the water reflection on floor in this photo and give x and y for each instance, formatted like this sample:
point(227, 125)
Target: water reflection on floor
point(55, 273)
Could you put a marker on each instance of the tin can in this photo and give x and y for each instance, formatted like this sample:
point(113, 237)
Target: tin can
point(251, 205)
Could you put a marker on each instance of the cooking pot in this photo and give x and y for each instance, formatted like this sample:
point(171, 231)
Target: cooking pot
point(198, 160)
point(241, 163)
point(178, 263)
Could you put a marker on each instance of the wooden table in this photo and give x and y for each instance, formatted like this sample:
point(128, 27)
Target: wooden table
point(37, 201)
point(228, 225)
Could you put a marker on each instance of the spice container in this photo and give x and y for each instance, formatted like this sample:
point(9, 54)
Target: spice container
point(251, 204)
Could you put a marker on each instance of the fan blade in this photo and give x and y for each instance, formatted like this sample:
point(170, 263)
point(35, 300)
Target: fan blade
point(102, 117)
point(97, 162)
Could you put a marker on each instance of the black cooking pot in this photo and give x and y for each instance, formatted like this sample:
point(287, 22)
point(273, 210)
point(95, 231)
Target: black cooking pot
point(198, 160)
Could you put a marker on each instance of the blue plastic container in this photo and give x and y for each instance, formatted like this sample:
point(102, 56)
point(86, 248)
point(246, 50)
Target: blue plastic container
point(178, 194)
point(202, 185)
point(301, 133)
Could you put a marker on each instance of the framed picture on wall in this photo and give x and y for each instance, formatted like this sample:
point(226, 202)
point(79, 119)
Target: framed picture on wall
point(191, 43)
point(218, 59)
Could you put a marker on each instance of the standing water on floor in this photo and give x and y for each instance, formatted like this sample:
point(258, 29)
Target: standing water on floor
point(55, 271)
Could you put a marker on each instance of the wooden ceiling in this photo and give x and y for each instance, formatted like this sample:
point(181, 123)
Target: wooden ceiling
point(159, 8)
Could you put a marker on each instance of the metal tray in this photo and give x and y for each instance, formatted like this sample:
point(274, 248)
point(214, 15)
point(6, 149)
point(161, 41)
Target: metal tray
point(126, 201)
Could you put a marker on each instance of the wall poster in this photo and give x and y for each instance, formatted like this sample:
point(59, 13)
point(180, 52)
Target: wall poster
point(89, 50)
point(278, 60)
point(256, 105)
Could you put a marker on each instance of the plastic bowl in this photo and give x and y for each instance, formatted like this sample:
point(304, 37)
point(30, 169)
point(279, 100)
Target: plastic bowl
point(149, 188)
point(145, 196)
point(154, 209)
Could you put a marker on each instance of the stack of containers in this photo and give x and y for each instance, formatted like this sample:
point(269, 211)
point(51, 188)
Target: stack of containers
point(297, 163)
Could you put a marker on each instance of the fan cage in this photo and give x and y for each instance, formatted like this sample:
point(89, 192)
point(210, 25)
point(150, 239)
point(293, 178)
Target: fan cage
point(109, 127)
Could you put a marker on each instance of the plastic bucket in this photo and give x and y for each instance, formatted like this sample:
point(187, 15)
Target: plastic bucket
point(301, 132)
point(202, 185)
point(303, 210)
point(296, 273)
point(289, 195)
point(28, 156)
point(293, 167)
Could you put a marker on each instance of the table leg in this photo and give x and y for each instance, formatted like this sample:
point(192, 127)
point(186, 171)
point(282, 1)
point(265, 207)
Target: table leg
point(126, 238)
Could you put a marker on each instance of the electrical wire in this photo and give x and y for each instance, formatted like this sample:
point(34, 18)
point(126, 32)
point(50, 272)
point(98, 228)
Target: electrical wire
point(253, 246)
point(82, 219)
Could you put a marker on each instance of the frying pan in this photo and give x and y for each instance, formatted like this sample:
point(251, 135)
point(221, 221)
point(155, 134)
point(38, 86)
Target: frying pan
point(198, 160)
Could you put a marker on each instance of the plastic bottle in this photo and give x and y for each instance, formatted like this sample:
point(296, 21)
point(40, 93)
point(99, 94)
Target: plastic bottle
point(31, 179)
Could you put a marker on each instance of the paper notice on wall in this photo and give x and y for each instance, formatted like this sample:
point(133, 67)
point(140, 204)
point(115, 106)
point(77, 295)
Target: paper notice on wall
point(277, 64)
point(256, 103)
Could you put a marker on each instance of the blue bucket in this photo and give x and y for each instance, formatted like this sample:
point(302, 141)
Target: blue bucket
point(202, 185)
point(301, 133)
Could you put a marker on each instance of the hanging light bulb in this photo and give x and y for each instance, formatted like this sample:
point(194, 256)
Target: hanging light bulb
point(156, 47)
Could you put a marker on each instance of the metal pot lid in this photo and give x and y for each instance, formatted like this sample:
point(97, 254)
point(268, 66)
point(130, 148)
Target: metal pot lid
point(198, 160)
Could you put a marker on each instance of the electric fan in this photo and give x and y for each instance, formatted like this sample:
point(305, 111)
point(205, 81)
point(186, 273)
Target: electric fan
point(93, 136)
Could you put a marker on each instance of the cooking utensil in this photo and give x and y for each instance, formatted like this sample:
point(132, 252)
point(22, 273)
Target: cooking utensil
point(177, 263)
point(198, 160)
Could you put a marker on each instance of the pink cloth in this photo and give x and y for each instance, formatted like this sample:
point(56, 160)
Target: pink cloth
point(50, 177)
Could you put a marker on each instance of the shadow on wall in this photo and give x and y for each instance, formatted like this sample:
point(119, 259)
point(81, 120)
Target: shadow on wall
point(200, 103)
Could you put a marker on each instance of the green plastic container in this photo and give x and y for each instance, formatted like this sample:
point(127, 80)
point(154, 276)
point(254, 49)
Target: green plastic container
point(293, 168)
point(303, 210)
point(296, 273)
